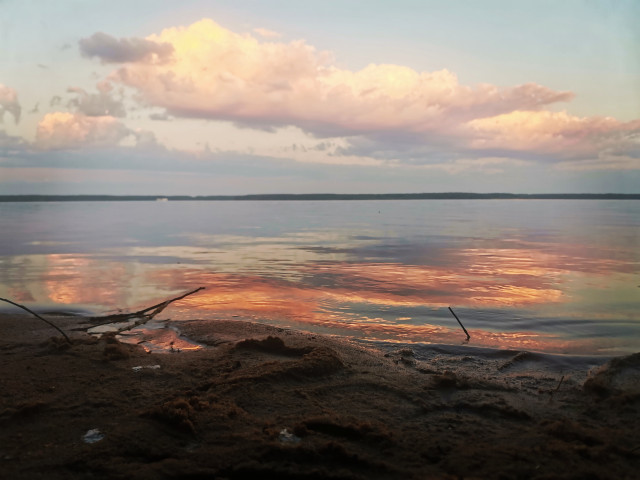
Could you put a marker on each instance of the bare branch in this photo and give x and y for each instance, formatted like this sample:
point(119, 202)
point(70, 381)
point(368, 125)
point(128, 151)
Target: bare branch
point(143, 315)
point(38, 316)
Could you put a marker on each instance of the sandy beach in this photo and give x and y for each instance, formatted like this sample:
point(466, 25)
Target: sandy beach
point(264, 402)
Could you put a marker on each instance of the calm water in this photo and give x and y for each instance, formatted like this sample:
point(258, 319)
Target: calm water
point(554, 276)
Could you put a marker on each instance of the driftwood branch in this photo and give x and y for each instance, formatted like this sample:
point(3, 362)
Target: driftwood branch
point(143, 315)
point(38, 316)
point(465, 330)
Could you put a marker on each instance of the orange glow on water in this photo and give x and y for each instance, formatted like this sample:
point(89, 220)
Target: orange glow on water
point(70, 279)
point(385, 300)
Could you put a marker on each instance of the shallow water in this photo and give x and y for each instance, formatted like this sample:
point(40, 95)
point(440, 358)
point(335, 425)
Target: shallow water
point(543, 275)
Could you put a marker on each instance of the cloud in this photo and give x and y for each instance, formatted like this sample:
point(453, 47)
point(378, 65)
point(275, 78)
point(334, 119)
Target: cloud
point(216, 73)
point(9, 103)
point(266, 33)
point(390, 112)
point(63, 130)
point(162, 117)
point(543, 130)
point(10, 145)
point(96, 104)
point(75, 131)
point(112, 50)
point(485, 165)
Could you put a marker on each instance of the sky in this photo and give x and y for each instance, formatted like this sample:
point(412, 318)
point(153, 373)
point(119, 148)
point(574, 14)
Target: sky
point(196, 97)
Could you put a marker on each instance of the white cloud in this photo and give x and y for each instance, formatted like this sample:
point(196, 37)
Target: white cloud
point(266, 33)
point(9, 103)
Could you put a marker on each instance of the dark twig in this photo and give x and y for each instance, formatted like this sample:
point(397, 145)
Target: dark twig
point(143, 316)
point(465, 330)
point(559, 383)
point(551, 392)
point(38, 316)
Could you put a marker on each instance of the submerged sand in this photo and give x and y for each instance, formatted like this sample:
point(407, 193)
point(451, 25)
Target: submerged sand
point(266, 402)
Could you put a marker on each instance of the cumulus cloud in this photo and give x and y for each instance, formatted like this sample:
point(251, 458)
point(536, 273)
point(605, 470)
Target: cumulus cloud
point(524, 130)
point(63, 130)
point(266, 33)
point(216, 73)
point(96, 104)
point(9, 103)
point(597, 142)
point(397, 112)
point(112, 50)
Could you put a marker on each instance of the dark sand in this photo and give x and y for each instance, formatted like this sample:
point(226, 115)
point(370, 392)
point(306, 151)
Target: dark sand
point(263, 402)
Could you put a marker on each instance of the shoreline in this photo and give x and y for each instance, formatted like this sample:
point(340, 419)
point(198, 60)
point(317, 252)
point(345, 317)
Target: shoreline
point(83, 311)
point(263, 401)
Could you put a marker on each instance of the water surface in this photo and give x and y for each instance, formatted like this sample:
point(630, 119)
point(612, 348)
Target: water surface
point(557, 276)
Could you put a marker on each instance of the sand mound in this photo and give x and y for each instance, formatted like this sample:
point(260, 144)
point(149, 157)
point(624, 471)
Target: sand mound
point(618, 376)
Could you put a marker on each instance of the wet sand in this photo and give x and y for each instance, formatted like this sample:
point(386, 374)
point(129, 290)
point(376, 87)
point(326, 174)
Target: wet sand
point(265, 402)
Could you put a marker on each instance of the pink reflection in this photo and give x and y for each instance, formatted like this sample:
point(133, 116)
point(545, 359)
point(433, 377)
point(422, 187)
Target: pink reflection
point(300, 304)
point(162, 340)
point(472, 286)
point(72, 279)
point(263, 300)
point(20, 294)
point(480, 278)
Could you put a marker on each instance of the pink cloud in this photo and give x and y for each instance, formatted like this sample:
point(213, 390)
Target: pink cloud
point(523, 130)
point(215, 73)
point(266, 33)
point(9, 103)
point(63, 130)
point(558, 133)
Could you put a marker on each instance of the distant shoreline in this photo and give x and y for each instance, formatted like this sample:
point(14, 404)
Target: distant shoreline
point(322, 197)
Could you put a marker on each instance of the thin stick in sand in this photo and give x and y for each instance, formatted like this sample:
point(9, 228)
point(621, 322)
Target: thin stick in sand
point(465, 330)
point(143, 316)
point(38, 316)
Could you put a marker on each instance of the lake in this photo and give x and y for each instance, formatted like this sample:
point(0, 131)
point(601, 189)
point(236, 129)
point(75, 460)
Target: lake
point(558, 276)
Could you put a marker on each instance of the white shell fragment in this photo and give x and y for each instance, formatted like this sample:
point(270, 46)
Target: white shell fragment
point(140, 367)
point(287, 437)
point(92, 436)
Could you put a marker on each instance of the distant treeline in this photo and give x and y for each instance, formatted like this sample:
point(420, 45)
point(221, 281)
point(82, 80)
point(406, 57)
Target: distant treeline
point(324, 196)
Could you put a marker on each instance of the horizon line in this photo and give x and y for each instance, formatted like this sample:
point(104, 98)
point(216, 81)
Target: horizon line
point(324, 196)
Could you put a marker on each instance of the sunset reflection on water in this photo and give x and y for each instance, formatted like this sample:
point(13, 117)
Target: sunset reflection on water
point(510, 291)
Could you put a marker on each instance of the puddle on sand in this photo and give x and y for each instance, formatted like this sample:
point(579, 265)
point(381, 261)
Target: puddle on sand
point(154, 337)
